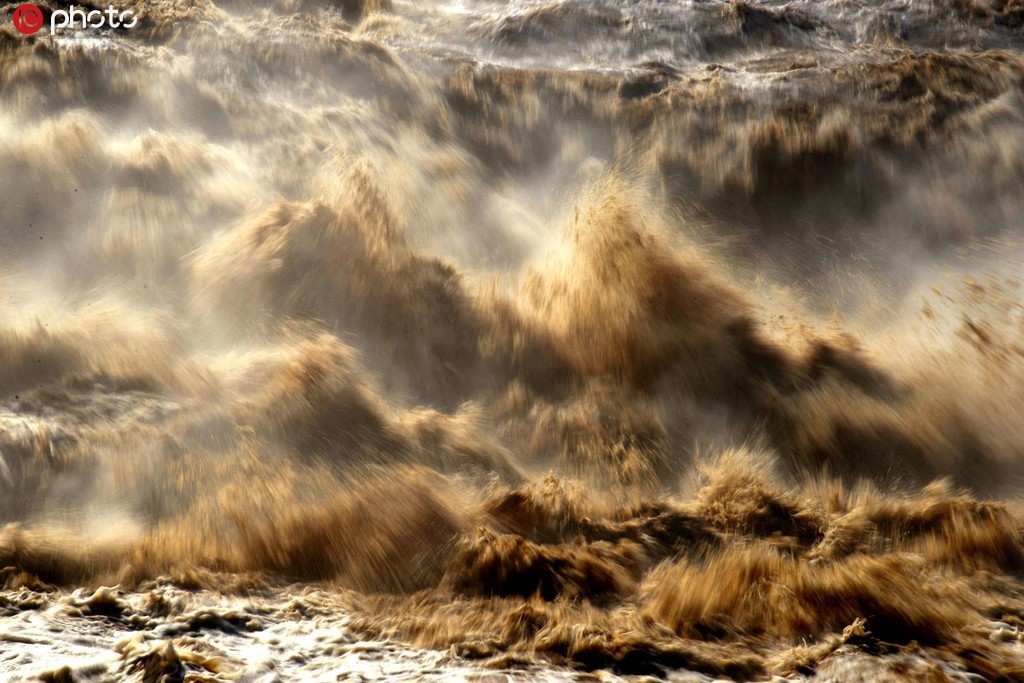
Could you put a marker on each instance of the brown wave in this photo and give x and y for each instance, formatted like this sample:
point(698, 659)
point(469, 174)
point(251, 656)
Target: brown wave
point(285, 304)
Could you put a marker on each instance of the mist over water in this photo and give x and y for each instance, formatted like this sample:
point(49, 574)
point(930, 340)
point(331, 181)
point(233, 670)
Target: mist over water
point(443, 340)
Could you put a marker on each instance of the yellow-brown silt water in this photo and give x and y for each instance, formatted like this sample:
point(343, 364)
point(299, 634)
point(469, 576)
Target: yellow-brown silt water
point(559, 340)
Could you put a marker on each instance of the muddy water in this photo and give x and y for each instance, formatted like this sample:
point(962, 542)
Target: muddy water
point(513, 341)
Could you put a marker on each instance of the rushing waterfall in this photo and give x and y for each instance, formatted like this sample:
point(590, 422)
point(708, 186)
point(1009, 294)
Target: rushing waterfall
point(511, 340)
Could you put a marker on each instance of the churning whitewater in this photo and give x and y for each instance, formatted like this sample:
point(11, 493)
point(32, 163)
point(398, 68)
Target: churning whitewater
point(481, 340)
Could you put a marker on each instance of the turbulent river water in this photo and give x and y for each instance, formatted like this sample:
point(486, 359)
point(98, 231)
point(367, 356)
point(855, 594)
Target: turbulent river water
point(509, 341)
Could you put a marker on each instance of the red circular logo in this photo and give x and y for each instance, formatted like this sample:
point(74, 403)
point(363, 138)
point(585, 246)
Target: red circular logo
point(28, 19)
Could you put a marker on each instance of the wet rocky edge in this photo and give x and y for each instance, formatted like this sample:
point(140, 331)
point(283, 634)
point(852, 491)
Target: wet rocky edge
point(175, 630)
point(171, 630)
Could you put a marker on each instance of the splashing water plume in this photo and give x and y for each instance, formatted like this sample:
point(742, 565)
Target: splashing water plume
point(386, 338)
